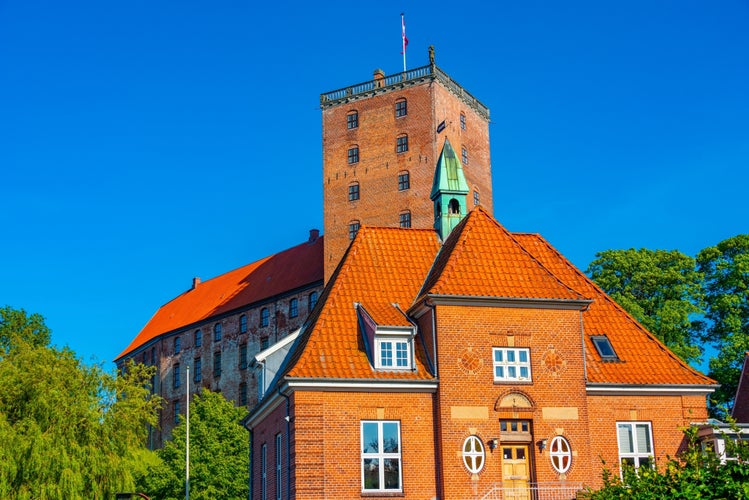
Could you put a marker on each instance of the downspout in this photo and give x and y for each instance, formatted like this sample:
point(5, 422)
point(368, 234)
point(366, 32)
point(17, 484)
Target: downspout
point(436, 417)
point(252, 468)
point(288, 444)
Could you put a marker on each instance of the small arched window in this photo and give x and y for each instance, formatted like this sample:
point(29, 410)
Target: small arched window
point(264, 316)
point(217, 332)
point(198, 338)
point(401, 143)
point(405, 218)
point(476, 200)
point(401, 108)
point(312, 300)
point(243, 323)
point(453, 208)
point(353, 155)
point(353, 191)
point(352, 119)
point(353, 228)
point(561, 454)
point(473, 454)
point(404, 180)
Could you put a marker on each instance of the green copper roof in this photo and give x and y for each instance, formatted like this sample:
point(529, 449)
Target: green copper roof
point(448, 177)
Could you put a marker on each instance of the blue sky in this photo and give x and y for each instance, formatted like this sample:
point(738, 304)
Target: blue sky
point(143, 143)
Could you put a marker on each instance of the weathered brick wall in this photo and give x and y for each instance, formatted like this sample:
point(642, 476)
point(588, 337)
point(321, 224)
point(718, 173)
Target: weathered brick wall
point(228, 382)
point(468, 398)
point(379, 165)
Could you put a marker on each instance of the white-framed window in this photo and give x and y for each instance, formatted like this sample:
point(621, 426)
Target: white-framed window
point(560, 454)
point(473, 454)
point(393, 353)
point(264, 472)
point(278, 466)
point(512, 364)
point(381, 456)
point(635, 443)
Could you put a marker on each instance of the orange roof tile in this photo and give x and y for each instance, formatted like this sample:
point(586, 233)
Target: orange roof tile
point(481, 258)
point(643, 358)
point(293, 268)
point(382, 266)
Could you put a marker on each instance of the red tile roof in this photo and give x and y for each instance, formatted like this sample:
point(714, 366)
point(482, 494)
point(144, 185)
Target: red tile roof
point(643, 359)
point(294, 268)
point(481, 259)
point(383, 266)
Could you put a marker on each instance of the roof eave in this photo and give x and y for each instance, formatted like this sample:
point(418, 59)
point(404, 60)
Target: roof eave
point(610, 389)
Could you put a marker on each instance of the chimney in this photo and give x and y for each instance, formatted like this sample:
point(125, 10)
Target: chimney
point(195, 282)
point(379, 78)
point(313, 235)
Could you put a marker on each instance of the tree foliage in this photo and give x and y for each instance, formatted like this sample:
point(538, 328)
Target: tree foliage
point(661, 289)
point(692, 475)
point(219, 454)
point(67, 430)
point(726, 270)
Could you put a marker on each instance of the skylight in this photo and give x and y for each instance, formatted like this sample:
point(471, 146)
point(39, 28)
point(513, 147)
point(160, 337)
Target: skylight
point(604, 348)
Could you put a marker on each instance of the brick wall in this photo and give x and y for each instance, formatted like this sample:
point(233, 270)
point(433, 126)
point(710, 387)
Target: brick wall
point(469, 398)
point(231, 376)
point(379, 165)
point(326, 442)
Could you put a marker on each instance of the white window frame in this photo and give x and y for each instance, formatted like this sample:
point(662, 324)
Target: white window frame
point(560, 454)
point(511, 365)
point(636, 454)
point(473, 448)
point(279, 442)
point(381, 456)
point(264, 472)
point(394, 342)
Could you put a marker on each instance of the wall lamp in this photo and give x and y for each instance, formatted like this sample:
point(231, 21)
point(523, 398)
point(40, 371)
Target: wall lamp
point(542, 444)
point(493, 443)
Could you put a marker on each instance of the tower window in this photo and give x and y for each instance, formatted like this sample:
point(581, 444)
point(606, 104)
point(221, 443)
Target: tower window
point(453, 207)
point(353, 228)
point(353, 155)
point(405, 219)
point(464, 155)
point(264, 316)
point(401, 108)
point(463, 121)
point(353, 191)
point(404, 181)
point(352, 120)
point(476, 197)
point(401, 145)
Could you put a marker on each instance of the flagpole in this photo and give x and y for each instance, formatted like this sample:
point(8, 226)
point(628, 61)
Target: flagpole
point(187, 437)
point(404, 40)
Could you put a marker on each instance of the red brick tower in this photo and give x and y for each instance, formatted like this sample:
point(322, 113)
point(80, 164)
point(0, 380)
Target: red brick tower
point(381, 142)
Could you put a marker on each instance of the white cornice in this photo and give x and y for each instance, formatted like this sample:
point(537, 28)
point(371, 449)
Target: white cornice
point(649, 390)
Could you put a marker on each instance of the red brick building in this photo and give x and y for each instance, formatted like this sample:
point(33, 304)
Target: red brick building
point(218, 326)
point(381, 140)
point(461, 369)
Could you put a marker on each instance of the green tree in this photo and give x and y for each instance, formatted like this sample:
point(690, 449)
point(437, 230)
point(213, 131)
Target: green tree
point(660, 289)
point(17, 326)
point(726, 270)
point(219, 454)
point(67, 430)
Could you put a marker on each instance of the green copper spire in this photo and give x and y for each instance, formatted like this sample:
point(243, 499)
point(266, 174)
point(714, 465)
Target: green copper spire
point(449, 191)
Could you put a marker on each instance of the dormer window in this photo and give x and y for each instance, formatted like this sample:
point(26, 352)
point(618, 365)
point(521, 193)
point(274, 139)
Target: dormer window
point(604, 348)
point(392, 352)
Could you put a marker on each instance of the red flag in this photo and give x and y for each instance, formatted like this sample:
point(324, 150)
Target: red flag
point(403, 29)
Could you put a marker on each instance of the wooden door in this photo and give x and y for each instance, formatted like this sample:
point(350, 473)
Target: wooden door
point(515, 471)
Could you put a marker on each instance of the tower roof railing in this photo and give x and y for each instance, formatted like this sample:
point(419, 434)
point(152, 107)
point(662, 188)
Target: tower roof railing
point(400, 80)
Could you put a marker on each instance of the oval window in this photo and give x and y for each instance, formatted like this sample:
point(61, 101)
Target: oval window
point(473, 454)
point(561, 454)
